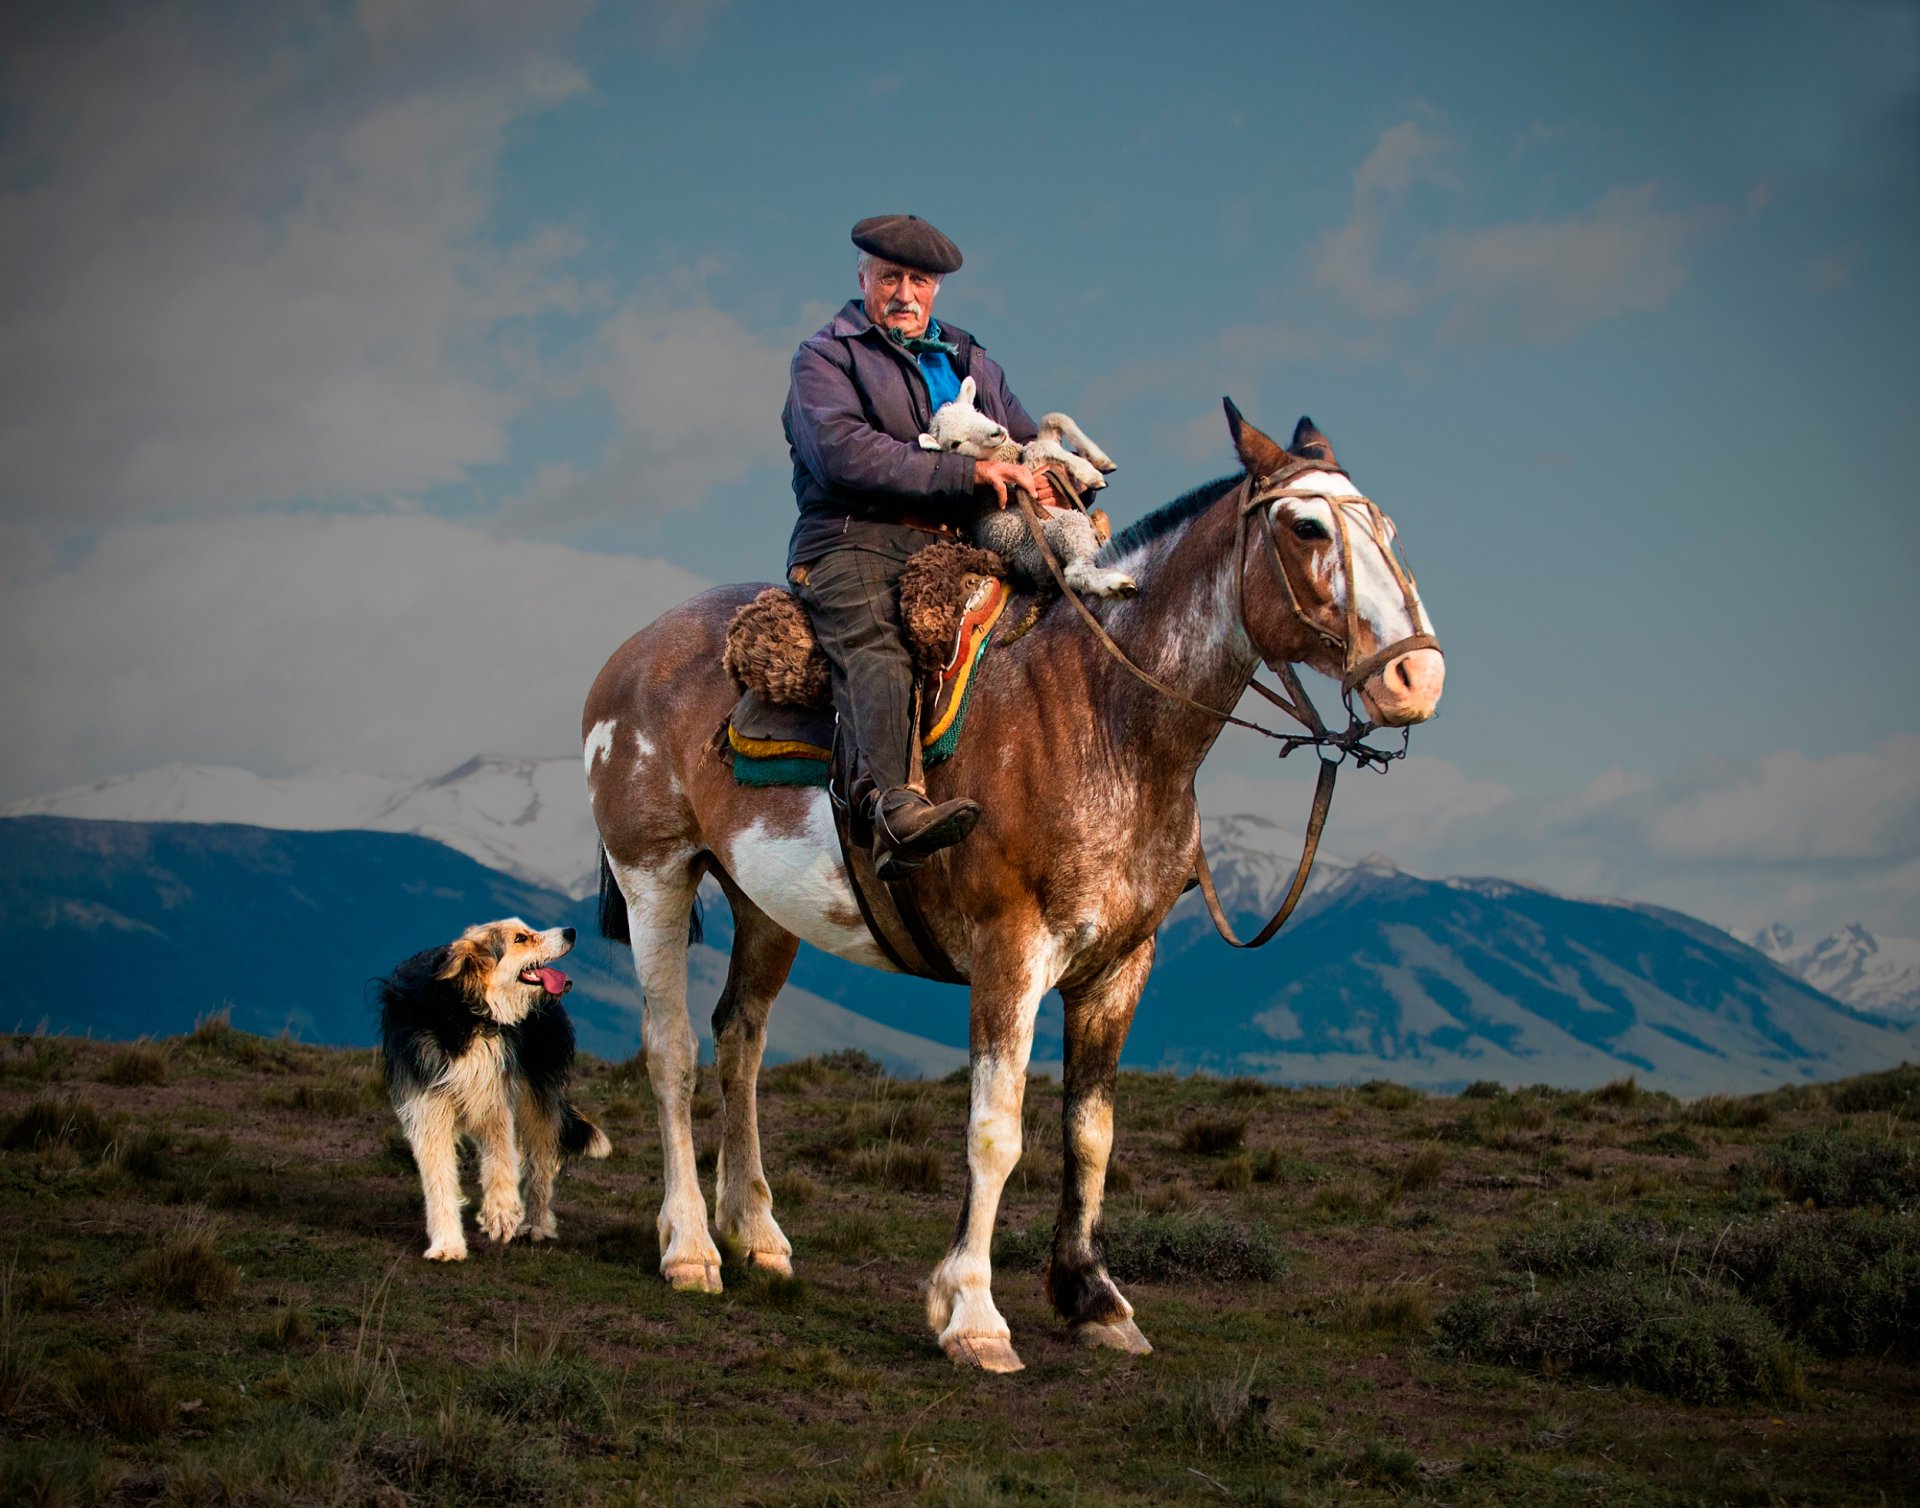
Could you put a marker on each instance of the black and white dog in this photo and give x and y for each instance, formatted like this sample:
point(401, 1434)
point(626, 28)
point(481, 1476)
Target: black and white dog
point(473, 1033)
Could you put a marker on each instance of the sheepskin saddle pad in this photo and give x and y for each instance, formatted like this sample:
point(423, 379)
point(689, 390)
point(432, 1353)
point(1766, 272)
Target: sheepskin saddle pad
point(781, 732)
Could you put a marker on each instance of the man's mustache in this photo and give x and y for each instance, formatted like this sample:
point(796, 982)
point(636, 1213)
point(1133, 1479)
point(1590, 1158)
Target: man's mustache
point(894, 306)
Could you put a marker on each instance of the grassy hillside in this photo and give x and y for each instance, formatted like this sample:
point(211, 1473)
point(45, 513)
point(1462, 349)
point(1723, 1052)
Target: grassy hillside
point(213, 1293)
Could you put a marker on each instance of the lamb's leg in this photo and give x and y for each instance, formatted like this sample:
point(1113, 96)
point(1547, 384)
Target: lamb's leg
point(1062, 430)
point(1071, 535)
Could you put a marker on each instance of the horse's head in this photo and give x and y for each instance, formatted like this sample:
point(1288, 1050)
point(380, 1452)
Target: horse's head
point(1320, 581)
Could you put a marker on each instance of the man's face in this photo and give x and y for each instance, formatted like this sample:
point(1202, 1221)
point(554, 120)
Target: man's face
point(899, 296)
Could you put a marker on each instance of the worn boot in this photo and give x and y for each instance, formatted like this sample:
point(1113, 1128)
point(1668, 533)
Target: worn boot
point(908, 829)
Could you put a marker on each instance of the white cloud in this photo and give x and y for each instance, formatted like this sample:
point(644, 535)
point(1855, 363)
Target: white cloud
point(697, 397)
point(1525, 281)
point(247, 256)
point(281, 643)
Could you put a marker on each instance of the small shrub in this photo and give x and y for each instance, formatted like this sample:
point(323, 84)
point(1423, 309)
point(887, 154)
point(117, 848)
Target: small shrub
point(1164, 1248)
point(58, 1121)
point(1384, 1094)
point(794, 1190)
point(468, 1455)
point(1621, 1092)
point(290, 1329)
point(1840, 1170)
point(121, 1395)
point(1896, 1090)
point(185, 1269)
point(1586, 1246)
point(135, 1067)
point(1244, 1088)
point(1484, 1089)
point(1669, 1141)
point(853, 1063)
point(795, 1077)
point(1210, 1135)
point(1688, 1340)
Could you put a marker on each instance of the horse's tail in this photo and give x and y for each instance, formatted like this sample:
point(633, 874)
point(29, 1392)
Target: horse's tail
point(613, 905)
point(613, 909)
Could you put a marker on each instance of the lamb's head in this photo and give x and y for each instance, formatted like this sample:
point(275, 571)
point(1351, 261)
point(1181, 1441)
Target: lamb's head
point(959, 426)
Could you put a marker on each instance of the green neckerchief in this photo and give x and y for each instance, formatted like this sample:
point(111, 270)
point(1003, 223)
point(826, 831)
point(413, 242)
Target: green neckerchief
point(920, 345)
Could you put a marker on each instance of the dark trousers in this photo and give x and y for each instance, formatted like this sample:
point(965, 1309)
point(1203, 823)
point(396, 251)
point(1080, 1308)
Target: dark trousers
point(852, 600)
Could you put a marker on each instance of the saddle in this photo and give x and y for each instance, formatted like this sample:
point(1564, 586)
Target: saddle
point(781, 730)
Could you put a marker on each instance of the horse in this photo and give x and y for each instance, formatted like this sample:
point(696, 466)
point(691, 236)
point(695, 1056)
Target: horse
point(1089, 833)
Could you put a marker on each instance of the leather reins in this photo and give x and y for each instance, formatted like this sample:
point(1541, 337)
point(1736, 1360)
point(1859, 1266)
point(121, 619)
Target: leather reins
point(1259, 499)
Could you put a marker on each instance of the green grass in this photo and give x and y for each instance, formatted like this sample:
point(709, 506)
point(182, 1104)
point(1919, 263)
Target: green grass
point(211, 1291)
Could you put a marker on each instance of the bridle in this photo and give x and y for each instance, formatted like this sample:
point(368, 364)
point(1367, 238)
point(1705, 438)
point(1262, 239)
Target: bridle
point(1256, 498)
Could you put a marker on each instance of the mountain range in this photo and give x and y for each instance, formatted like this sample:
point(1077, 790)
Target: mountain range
point(1382, 973)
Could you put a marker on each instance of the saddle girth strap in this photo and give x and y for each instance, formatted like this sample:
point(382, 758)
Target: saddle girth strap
point(892, 915)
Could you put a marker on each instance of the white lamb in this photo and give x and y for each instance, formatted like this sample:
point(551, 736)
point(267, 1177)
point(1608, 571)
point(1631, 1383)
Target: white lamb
point(959, 426)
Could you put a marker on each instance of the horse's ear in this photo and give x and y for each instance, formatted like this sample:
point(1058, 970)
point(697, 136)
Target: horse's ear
point(1310, 444)
point(1257, 453)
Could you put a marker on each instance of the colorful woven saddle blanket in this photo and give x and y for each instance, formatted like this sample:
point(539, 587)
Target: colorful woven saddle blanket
point(781, 731)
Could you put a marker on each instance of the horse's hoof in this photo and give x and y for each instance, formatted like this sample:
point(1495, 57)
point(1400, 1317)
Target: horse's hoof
point(693, 1277)
point(1125, 1336)
point(990, 1353)
point(776, 1262)
point(446, 1254)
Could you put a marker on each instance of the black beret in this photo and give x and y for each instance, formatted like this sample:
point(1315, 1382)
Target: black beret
point(908, 240)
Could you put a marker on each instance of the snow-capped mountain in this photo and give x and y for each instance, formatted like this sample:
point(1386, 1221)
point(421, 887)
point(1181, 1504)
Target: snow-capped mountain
point(525, 817)
point(1879, 974)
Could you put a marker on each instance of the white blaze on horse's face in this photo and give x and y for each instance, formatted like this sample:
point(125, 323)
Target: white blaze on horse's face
point(1406, 689)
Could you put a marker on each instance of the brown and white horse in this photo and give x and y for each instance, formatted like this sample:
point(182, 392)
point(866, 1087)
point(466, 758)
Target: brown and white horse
point(1088, 836)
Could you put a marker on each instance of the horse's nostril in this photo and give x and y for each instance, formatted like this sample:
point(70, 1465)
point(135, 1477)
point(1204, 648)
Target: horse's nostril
point(1406, 675)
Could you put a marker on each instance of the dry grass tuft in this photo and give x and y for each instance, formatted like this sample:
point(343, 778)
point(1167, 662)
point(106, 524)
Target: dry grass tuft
point(185, 1269)
point(1210, 1135)
point(136, 1066)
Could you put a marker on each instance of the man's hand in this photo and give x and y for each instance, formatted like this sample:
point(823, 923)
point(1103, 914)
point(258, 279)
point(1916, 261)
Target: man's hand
point(998, 476)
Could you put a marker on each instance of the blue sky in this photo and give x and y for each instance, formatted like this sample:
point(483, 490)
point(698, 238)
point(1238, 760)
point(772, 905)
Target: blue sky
point(315, 317)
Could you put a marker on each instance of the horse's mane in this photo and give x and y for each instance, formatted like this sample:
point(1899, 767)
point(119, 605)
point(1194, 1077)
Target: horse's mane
point(1170, 516)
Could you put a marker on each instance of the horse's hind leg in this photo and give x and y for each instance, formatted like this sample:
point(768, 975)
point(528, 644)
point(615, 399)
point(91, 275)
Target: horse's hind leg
point(743, 1205)
point(1098, 1015)
point(1005, 1000)
point(659, 906)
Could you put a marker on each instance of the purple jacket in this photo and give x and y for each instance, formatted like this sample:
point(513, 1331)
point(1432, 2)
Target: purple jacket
point(854, 414)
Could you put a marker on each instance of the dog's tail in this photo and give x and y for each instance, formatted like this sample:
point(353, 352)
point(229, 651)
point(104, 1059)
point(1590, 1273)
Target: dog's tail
point(579, 1136)
point(613, 909)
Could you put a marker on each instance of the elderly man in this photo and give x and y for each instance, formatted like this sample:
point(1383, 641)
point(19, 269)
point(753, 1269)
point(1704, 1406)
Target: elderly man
point(864, 388)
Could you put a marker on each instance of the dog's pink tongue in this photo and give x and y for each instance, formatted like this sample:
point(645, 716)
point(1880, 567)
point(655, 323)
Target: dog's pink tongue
point(553, 981)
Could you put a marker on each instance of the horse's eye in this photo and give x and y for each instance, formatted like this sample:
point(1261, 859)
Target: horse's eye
point(1309, 528)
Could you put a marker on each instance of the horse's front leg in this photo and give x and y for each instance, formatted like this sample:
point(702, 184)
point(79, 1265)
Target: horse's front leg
point(1098, 1015)
point(1009, 977)
point(659, 906)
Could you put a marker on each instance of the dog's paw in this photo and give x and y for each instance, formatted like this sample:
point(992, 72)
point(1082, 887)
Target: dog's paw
point(446, 1251)
point(501, 1224)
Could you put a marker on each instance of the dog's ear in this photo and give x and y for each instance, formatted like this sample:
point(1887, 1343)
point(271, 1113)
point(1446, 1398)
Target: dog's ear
point(469, 960)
